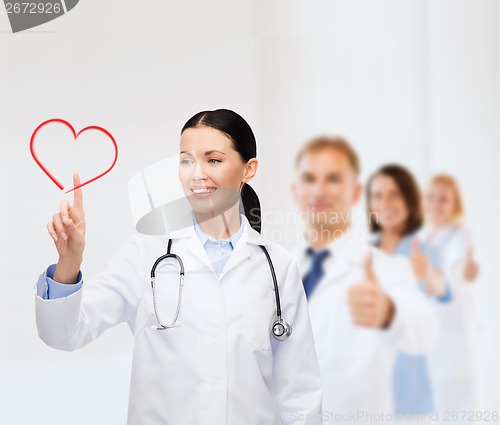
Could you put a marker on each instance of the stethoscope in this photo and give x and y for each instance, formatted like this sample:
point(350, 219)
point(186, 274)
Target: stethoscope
point(281, 329)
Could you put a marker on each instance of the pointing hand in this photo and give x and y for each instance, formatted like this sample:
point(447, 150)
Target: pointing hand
point(67, 227)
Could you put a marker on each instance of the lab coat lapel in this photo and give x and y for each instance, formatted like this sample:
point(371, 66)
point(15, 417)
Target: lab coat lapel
point(197, 252)
point(440, 239)
point(191, 251)
point(194, 253)
point(346, 257)
point(241, 251)
point(336, 269)
point(236, 258)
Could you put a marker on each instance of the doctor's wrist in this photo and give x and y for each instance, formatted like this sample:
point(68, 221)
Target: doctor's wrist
point(67, 270)
point(389, 310)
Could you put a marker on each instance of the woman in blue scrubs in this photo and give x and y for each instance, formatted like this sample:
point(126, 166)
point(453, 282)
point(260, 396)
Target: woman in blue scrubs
point(395, 213)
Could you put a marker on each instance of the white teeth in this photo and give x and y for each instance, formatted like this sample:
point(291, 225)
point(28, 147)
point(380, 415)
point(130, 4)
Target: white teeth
point(203, 190)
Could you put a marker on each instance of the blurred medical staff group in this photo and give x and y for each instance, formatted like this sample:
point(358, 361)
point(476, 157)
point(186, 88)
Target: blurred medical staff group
point(393, 316)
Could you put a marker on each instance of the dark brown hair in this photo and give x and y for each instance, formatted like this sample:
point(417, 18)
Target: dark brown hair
point(408, 187)
point(241, 135)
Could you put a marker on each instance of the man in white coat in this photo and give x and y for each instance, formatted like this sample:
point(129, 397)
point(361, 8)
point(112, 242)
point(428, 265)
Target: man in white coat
point(363, 304)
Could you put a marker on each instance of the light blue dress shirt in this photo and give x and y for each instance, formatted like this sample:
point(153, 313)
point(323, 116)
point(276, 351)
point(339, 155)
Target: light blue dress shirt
point(218, 251)
point(55, 289)
point(411, 388)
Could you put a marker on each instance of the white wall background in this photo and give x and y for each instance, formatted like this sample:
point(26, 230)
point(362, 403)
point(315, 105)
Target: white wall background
point(415, 82)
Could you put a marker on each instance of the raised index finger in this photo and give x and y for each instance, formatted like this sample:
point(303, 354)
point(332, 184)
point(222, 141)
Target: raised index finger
point(77, 193)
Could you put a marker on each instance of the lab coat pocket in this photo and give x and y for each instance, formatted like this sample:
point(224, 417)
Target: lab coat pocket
point(259, 312)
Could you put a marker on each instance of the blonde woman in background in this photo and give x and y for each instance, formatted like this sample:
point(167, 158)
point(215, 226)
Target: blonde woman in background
point(453, 364)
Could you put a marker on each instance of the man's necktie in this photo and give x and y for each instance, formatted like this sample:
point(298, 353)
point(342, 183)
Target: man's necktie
point(316, 271)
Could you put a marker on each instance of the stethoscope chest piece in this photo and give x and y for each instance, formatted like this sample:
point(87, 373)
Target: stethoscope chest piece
point(281, 330)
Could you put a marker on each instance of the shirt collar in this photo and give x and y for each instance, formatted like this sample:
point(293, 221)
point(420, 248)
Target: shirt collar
point(204, 237)
point(248, 235)
point(401, 248)
point(347, 246)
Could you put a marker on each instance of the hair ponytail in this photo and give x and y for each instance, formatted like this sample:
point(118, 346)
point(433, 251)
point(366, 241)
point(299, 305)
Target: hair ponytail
point(251, 206)
point(240, 133)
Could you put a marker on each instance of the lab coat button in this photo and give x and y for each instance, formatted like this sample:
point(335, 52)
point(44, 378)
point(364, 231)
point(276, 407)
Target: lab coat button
point(214, 333)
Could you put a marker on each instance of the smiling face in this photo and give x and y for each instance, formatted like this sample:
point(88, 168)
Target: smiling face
point(439, 204)
point(326, 187)
point(211, 171)
point(387, 204)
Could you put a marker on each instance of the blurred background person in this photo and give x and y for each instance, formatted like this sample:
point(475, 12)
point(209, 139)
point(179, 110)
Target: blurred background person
point(395, 216)
point(363, 308)
point(453, 364)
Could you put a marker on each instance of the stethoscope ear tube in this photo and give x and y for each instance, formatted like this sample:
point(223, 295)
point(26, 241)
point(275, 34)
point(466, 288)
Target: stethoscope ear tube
point(163, 257)
point(281, 329)
point(181, 284)
point(275, 281)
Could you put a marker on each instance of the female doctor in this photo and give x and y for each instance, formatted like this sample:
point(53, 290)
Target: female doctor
point(393, 198)
point(214, 345)
point(454, 364)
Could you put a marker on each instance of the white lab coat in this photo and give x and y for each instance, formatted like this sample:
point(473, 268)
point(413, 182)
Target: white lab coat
point(356, 363)
point(453, 364)
point(221, 366)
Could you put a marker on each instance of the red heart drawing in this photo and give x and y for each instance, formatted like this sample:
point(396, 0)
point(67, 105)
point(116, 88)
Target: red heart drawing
point(75, 135)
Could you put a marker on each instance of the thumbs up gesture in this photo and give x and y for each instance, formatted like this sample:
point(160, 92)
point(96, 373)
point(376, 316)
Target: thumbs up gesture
point(369, 304)
point(471, 268)
point(419, 261)
point(67, 229)
point(433, 280)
